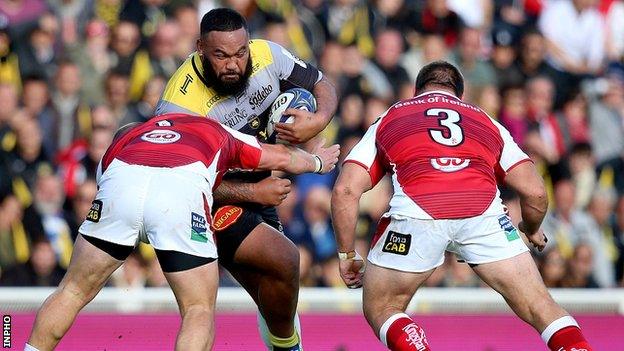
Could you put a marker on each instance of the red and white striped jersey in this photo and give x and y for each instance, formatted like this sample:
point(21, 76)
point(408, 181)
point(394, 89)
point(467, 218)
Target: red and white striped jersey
point(444, 155)
point(200, 145)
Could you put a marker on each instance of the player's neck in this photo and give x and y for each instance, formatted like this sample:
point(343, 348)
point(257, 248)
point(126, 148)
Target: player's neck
point(435, 89)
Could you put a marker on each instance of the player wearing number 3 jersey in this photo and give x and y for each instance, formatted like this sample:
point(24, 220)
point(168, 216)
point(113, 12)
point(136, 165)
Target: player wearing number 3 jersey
point(445, 158)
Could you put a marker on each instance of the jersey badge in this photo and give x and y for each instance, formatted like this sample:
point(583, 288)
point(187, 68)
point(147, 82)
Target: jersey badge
point(225, 217)
point(198, 228)
point(95, 212)
point(510, 231)
point(397, 243)
point(449, 164)
point(161, 136)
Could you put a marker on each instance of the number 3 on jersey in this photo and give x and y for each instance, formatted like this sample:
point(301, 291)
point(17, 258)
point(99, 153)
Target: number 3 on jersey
point(449, 133)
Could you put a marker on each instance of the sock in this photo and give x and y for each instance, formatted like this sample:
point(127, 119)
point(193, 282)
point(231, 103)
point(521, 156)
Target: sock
point(564, 334)
point(29, 347)
point(285, 344)
point(265, 334)
point(401, 333)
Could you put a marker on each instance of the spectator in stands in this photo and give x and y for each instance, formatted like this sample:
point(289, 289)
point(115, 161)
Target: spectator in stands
point(531, 60)
point(583, 171)
point(21, 16)
point(566, 224)
point(37, 54)
point(503, 58)
point(513, 114)
point(319, 233)
point(28, 158)
point(552, 267)
point(604, 246)
point(144, 109)
point(361, 76)
point(48, 201)
point(163, 50)
point(388, 51)
point(125, 44)
point(36, 101)
point(430, 48)
point(573, 56)
point(80, 161)
point(579, 269)
point(9, 63)
point(606, 111)
point(117, 91)
point(94, 59)
point(436, 18)
point(188, 19)
point(349, 22)
point(477, 72)
point(71, 112)
point(42, 269)
point(18, 229)
point(145, 14)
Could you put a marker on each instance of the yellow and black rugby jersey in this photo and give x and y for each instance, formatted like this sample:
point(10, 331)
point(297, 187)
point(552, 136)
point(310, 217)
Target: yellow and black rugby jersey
point(273, 69)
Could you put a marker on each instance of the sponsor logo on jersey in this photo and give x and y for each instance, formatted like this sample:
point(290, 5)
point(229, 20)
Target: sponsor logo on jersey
point(257, 98)
point(510, 231)
point(95, 212)
point(188, 79)
point(226, 216)
point(397, 243)
point(213, 100)
point(198, 228)
point(235, 117)
point(449, 164)
point(161, 136)
point(254, 122)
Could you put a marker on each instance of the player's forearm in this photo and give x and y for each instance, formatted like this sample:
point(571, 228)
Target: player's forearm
point(299, 161)
point(327, 101)
point(231, 192)
point(344, 210)
point(533, 208)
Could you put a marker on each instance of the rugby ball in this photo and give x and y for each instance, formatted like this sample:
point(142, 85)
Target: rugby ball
point(292, 98)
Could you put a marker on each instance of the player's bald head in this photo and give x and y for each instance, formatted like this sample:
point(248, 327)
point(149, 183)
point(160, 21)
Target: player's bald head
point(440, 74)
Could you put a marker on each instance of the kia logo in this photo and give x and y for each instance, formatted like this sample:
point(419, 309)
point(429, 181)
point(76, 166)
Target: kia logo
point(161, 136)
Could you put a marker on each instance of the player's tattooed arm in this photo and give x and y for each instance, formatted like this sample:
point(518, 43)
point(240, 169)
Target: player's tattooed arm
point(232, 192)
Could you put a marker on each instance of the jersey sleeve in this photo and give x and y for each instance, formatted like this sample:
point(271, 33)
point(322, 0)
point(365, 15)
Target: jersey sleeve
point(366, 155)
point(293, 70)
point(244, 150)
point(511, 155)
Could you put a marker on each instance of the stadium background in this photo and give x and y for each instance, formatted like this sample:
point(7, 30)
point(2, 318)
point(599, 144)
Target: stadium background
point(72, 71)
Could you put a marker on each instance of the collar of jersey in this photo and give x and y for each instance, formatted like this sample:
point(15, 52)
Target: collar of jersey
point(437, 92)
point(198, 71)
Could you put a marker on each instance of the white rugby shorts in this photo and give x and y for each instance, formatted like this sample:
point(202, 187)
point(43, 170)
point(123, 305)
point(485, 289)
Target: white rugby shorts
point(170, 206)
point(418, 245)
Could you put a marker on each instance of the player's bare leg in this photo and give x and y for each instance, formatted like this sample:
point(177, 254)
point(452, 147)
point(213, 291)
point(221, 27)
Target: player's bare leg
point(196, 292)
point(520, 283)
point(266, 264)
point(88, 271)
point(386, 294)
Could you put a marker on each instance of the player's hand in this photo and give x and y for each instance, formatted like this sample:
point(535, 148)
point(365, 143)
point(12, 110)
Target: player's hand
point(271, 191)
point(305, 126)
point(329, 155)
point(352, 271)
point(538, 238)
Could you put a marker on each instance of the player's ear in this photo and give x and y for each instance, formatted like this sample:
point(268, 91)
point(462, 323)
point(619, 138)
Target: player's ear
point(199, 46)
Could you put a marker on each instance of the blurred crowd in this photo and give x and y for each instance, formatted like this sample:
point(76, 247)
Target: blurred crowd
point(73, 71)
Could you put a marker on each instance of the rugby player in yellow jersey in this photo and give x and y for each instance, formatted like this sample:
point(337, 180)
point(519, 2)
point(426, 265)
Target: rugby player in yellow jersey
point(235, 80)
